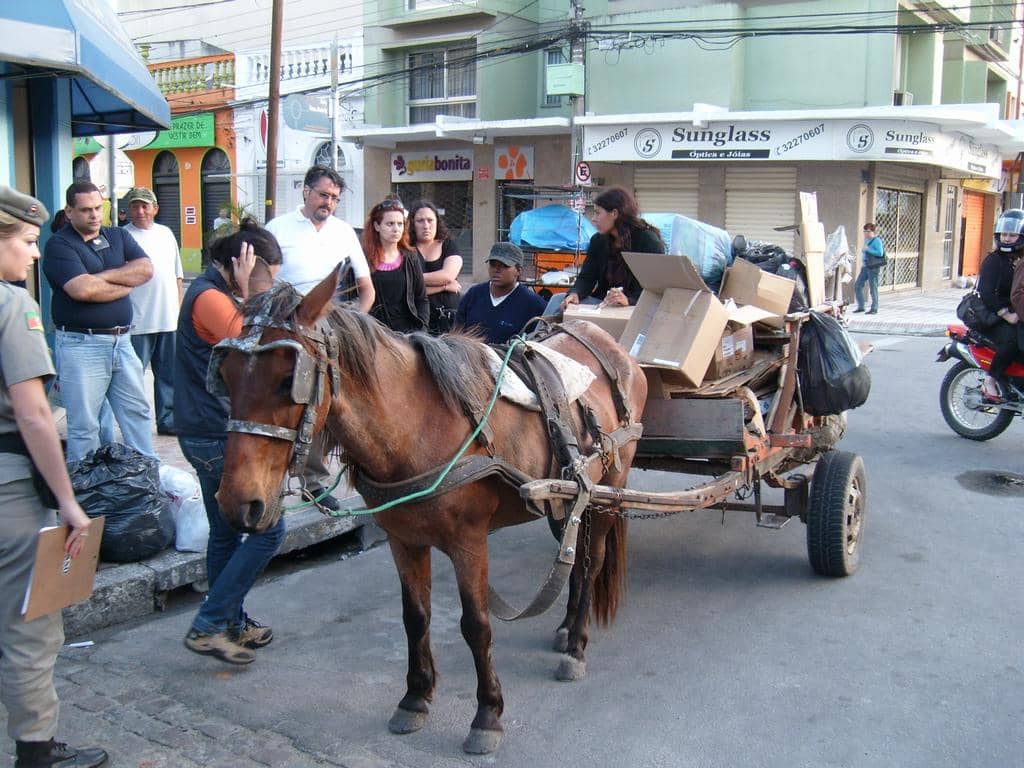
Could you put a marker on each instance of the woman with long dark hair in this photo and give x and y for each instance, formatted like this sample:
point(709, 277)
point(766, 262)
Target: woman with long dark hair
point(605, 277)
point(441, 263)
point(401, 296)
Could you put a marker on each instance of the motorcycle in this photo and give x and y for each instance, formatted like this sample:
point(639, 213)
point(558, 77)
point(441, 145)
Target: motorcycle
point(963, 407)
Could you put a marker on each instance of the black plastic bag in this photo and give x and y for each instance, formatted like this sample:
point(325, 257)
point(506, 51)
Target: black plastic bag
point(832, 377)
point(123, 485)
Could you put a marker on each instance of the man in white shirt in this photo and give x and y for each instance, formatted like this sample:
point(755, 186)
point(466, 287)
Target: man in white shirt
point(313, 242)
point(155, 303)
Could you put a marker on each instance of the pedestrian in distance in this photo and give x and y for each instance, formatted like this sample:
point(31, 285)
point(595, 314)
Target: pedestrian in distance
point(155, 303)
point(92, 269)
point(995, 286)
point(400, 300)
point(313, 242)
point(604, 277)
point(241, 264)
point(29, 444)
point(872, 261)
point(441, 263)
point(501, 307)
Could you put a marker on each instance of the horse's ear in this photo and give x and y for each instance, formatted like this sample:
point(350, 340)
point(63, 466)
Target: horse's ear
point(318, 301)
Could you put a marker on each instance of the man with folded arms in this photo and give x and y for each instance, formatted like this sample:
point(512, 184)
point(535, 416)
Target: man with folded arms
point(92, 269)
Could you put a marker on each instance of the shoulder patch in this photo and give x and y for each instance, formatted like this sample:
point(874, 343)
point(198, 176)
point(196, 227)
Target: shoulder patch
point(33, 322)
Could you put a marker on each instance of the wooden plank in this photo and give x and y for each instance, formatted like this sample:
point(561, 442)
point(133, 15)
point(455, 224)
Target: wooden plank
point(677, 447)
point(694, 419)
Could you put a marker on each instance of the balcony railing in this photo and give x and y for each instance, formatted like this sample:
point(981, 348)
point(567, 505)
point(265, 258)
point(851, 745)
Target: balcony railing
point(195, 76)
point(302, 68)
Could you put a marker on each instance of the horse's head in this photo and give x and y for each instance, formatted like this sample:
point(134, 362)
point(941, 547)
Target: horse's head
point(280, 377)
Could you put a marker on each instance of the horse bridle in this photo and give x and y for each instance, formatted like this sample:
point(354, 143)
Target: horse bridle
point(309, 379)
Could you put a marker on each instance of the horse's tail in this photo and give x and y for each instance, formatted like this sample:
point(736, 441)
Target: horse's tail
point(610, 583)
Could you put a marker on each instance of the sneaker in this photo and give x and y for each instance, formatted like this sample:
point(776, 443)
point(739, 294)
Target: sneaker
point(858, 309)
point(328, 502)
point(872, 311)
point(44, 754)
point(220, 646)
point(253, 635)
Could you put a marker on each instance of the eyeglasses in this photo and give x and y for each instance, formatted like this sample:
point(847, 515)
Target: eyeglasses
point(326, 196)
point(390, 204)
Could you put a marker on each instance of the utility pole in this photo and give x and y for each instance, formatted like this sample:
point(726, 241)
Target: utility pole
point(578, 55)
point(334, 104)
point(112, 179)
point(273, 106)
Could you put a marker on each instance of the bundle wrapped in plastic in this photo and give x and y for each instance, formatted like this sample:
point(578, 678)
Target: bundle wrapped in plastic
point(553, 226)
point(708, 247)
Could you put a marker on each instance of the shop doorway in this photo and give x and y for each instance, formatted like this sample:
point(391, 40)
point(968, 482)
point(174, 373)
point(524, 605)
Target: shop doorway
point(454, 199)
point(167, 188)
point(974, 233)
point(898, 215)
point(215, 177)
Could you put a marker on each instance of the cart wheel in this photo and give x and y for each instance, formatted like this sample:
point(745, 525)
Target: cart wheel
point(835, 514)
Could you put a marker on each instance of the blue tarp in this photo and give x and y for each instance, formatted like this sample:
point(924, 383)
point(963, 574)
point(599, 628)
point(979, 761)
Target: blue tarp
point(553, 226)
point(111, 89)
point(708, 247)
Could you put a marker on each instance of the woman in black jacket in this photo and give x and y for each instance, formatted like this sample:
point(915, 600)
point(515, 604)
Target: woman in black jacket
point(401, 296)
point(994, 285)
point(605, 276)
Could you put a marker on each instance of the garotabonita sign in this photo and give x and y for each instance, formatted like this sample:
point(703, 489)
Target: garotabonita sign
point(431, 166)
point(795, 140)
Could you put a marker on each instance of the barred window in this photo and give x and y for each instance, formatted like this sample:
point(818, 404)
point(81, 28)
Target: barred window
point(442, 82)
point(552, 56)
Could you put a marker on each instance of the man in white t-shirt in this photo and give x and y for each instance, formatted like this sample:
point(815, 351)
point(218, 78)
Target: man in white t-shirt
point(313, 242)
point(155, 303)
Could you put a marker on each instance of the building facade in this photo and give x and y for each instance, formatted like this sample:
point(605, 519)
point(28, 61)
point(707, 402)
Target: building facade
point(895, 112)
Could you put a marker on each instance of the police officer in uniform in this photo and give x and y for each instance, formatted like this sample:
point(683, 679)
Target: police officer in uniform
point(28, 439)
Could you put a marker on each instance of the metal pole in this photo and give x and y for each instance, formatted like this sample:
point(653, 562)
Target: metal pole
point(274, 105)
point(577, 56)
point(112, 179)
point(334, 103)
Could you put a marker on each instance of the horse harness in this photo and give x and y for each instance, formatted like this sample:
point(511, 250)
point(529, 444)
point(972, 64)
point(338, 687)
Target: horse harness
point(309, 379)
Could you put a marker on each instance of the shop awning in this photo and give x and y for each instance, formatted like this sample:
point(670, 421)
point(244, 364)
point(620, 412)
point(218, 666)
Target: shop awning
point(458, 128)
point(111, 89)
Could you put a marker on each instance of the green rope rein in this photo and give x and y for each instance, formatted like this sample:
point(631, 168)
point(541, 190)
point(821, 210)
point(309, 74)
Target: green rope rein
point(514, 342)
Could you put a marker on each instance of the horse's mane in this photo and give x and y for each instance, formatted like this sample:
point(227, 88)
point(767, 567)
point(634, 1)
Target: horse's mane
point(458, 363)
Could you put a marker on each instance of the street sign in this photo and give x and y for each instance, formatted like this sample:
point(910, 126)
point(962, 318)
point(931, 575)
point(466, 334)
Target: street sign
point(583, 175)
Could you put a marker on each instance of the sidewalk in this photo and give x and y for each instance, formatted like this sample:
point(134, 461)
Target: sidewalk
point(910, 313)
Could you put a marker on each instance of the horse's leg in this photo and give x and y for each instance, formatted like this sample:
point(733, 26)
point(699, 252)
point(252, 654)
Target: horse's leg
point(572, 608)
point(413, 565)
point(470, 561)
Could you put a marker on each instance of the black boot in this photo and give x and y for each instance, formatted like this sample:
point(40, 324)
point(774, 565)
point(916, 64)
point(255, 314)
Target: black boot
point(44, 754)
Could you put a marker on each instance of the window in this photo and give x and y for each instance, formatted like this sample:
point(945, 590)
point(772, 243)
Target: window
point(442, 82)
point(552, 56)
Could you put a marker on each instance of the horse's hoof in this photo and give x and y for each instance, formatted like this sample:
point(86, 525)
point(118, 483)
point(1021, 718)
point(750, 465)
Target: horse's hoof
point(481, 742)
point(561, 643)
point(404, 721)
point(570, 669)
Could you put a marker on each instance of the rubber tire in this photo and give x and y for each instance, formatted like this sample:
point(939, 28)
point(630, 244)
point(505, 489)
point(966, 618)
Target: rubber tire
point(996, 428)
point(836, 505)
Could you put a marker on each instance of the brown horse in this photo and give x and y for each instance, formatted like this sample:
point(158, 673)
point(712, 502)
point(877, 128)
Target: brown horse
point(397, 406)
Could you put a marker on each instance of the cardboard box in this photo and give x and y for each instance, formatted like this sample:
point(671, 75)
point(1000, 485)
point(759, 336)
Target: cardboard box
point(746, 283)
point(678, 321)
point(734, 353)
point(611, 319)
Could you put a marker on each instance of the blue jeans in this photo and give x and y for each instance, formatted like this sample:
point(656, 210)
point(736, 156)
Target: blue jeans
point(870, 276)
point(157, 350)
point(233, 563)
point(91, 369)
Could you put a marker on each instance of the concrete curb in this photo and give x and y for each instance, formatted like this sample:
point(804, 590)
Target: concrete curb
point(128, 591)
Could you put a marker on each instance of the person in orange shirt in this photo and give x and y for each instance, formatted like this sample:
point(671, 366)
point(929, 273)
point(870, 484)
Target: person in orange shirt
point(241, 264)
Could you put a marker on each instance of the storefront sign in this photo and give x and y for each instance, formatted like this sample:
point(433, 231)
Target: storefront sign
point(514, 163)
point(431, 166)
point(310, 112)
point(896, 140)
point(186, 131)
point(85, 146)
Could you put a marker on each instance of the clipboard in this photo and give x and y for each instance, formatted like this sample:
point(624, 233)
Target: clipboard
point(58, 580)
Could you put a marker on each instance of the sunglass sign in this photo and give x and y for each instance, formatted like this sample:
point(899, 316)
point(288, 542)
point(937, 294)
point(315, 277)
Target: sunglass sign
point(431, 166)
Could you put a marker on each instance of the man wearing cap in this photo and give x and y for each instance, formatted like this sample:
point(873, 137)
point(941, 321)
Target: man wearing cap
point(500, 307)
point(155, 303)
point(92, 270)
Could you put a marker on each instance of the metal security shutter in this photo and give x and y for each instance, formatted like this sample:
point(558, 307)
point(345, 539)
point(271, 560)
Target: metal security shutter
point(975, 238)
point(167, 188)
point(667, 188)
point(759, 199)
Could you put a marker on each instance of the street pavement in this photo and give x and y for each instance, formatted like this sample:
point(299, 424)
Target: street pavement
point(723, 648)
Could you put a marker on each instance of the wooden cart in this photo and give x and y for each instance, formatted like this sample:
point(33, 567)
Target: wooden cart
point(744, 431)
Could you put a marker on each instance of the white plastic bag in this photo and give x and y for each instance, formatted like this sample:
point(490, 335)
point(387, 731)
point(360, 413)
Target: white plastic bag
point(185, 498)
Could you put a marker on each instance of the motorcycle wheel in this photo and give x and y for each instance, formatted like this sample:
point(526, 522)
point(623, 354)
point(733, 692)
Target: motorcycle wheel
point(974, 424)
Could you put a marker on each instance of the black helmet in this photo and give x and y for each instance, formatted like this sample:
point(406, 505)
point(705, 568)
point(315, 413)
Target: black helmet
point(1010, 223)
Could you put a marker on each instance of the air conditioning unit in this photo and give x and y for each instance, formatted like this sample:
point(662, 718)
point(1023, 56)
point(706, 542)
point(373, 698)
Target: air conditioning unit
point(902, 98)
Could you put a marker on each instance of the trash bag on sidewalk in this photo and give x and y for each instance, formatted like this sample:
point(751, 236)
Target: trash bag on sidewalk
point(832, 377)
point(123, 485)
point(185, 499)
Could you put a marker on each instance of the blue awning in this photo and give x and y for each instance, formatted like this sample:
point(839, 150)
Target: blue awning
point(111, 89)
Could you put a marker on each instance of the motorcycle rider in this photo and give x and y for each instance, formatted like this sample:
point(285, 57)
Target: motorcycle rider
point(995, 283)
